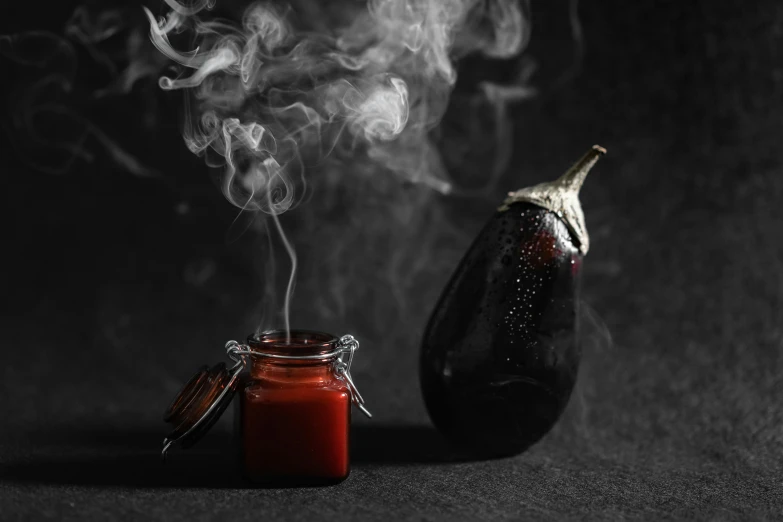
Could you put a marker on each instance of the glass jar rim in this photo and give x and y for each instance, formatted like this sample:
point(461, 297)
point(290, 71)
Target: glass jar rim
point(296, 343)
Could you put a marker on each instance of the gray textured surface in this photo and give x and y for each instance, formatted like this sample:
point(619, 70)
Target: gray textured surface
point(677, 416)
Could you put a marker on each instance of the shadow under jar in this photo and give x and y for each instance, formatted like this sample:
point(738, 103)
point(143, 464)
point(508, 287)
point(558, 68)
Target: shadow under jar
point(293, 412)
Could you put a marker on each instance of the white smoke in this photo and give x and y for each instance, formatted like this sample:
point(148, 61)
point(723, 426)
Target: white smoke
point(337, 104)
point(270, 96)
point(338, 99)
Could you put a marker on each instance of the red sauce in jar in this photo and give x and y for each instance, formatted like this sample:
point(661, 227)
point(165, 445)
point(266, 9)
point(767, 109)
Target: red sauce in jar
point(294, 415)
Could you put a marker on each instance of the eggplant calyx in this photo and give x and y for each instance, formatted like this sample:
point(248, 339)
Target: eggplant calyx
point(561, 196)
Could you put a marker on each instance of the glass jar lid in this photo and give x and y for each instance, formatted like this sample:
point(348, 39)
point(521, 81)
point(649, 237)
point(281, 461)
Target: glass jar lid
point(199, 404)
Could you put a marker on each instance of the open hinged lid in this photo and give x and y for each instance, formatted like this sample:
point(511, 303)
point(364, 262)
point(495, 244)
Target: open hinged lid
point(199, 404)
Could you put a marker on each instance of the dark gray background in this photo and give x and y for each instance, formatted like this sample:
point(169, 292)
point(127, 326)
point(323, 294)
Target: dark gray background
point(112, 297)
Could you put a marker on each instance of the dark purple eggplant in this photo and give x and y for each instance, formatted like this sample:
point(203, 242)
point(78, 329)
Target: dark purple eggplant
point(501, 351)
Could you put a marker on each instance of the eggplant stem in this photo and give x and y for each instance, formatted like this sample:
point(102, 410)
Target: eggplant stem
point(575, 176)
point(561, 196)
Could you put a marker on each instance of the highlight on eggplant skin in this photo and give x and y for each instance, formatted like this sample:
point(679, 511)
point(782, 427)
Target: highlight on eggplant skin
point(501, 351)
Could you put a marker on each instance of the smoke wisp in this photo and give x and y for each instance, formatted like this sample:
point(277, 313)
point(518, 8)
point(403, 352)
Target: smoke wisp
point(269, 97)
point(62, 80)
point(314, 100)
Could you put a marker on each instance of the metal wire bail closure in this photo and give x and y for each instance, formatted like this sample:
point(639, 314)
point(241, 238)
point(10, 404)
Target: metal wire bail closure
point(342, 370)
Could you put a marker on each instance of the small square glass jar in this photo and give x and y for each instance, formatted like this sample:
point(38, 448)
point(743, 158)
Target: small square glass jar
point(293, 412)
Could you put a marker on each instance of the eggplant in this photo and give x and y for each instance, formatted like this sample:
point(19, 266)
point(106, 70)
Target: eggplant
point(500, 353)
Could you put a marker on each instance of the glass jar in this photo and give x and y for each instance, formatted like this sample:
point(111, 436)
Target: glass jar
point(294, 414)
point(294, 407)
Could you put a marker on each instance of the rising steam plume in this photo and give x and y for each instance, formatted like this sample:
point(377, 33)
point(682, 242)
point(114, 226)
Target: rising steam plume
point(338, 106)
point(271, 96)
point(299, 100)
